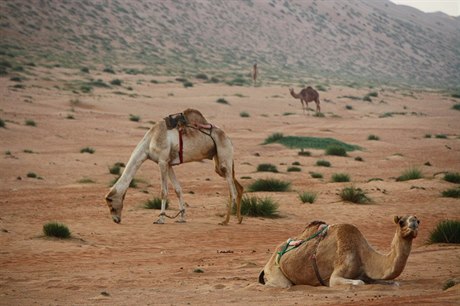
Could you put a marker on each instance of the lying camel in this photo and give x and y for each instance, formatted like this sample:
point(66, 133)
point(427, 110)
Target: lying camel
point(338, 254)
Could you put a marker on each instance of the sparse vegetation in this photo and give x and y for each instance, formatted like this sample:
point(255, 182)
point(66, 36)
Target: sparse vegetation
point(58, 230)
point(323, 163)
point(340, 177)
point(32, 175)
point(269, 185)
point(456, 106)
point(316, 175)
point(410, 174)
point(222, 101)
point(86, 180)
point(116, 82)
point(244, 114)
point(30, 122)
point(359, 158)
point(267, 168)
point(87, 150)
point(115, 169)
point(134, 118)
point(304, 153)
point(349, 107)
point(354, 195)
point(336, 150)
point(373, 137)
point(441, 136)
point(452, 177)
point(2, 123)
point(294, 169)
point(448, 284)
point(254, 206)
point(187, 84)
point(155, 203)
point(308, 142)
point(307, 197)
point(451, 193)
point(446, 231)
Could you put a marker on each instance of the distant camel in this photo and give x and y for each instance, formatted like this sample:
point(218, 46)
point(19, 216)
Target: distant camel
point(255, 72)
point(338, 255)
point(181, 138)
point(307, 95)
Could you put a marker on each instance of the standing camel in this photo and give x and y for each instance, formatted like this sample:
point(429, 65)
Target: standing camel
point(338, 255)
point(191, 138)
point(307, 95)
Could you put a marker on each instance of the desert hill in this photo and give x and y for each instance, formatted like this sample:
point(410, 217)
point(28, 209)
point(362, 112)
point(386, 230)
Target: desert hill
point(376, 41)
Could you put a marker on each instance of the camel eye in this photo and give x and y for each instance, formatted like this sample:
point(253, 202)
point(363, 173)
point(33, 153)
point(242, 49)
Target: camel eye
point(418, 221)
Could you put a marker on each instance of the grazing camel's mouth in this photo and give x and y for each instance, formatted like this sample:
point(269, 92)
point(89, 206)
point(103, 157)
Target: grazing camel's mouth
point(116, 219)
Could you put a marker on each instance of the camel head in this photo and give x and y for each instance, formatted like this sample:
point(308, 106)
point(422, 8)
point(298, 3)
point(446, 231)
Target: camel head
point(115, 203)
point(408, 226)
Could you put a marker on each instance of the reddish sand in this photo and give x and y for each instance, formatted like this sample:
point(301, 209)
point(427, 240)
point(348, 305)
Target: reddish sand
point(137, 262)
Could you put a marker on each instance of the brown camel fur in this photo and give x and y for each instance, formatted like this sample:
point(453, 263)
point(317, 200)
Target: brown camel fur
point(307, 95)
point(201, 140)
point(342, 256)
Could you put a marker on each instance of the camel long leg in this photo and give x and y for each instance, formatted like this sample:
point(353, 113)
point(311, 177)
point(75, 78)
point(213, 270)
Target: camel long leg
point(239, 196)
point(318, 107)
point(164, 169)
point(178, 190)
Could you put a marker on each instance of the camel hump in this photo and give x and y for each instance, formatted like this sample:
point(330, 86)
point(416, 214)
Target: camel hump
point(194, 117)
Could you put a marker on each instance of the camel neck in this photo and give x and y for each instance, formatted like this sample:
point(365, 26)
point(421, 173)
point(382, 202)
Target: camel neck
point(390, 265)
point(138, 157)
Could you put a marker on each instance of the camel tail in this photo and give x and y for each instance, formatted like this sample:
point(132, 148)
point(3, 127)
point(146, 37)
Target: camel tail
point(261, 277)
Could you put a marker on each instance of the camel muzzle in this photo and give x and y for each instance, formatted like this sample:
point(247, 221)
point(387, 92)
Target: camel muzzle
point(116, 219)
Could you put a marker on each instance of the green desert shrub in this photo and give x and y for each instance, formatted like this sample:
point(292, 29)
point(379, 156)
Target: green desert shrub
point(155, 203)
point(410, 174)
point(269, 185)
point(452, 177)
point(84, 69)
point(451, 193)
point(116, 82)
point(244, 114)
point(115, 169)
point(456, 106)
point(134, 118)
point(358, 158)
point(354, 195)
point(316, 175)
point(32, 175)
point(441, 136)
point(86, 180)
point(87, 150)
point(294, 169)
point(254, 206)
point(304, 153)
point(201, 76)
point(222, 101)
point(373, 137)
point(446, 231)
point(109, 70)
point(30, 122)
point(58, 230)
point(267, 168)
point(2, 123)
point(273, 138)
point(340, 177)
point(323, 163)
point(336, 151)
point(187, 84)
point(307, 197)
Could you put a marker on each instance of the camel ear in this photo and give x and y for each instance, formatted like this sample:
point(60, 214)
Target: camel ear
point(396, 219)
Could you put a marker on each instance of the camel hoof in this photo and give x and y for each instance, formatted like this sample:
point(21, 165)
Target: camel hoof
point(159, 222)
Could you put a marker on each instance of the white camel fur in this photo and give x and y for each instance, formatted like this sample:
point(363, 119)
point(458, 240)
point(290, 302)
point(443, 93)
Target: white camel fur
point(340, 256)
point(161, 145)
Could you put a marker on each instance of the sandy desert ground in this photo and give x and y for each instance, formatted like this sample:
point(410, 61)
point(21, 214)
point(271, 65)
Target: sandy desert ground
point(137, 262)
